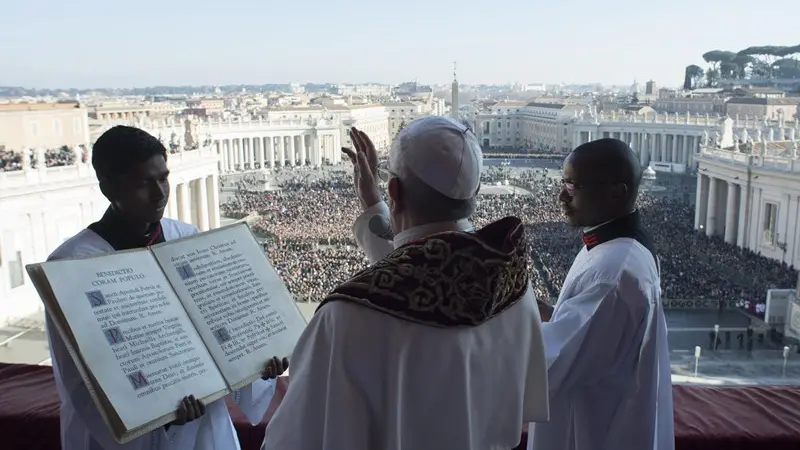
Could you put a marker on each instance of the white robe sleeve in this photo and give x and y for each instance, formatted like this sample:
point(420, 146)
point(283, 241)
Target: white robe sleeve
point(70, 385)
point(325, 407)
point(376, 247)
point(254, 399)
point(584, 333)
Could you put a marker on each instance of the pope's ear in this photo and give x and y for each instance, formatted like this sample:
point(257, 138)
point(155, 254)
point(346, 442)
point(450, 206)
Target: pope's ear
point(393, 189)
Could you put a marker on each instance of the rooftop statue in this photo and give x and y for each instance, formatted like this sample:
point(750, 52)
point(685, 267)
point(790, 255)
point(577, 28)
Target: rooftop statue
point(77, 152)
point(190, 134)
point(25, 159)
point(41, 158)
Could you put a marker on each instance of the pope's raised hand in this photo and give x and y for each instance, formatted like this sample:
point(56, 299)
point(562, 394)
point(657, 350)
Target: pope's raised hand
point(365, 167)
point(275, 368)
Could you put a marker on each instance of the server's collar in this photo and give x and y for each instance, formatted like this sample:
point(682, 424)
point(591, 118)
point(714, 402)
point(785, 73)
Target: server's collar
point(625, 226)
point(114, 229)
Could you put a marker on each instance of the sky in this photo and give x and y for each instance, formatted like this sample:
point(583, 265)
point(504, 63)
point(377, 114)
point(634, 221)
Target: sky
point(94, 43)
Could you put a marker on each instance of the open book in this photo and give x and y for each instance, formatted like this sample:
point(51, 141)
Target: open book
point(195, 316)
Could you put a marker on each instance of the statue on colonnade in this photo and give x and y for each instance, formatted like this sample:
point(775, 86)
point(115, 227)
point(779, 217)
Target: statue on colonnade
point(77, 153)
point(41, 158)
point(25, 159)
point(190, 134)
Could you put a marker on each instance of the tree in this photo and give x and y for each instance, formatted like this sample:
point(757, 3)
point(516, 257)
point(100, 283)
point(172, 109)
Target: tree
point(766, 56)
point(400, 128)
point(786, 68)
point(692, 76)
point(717, 57)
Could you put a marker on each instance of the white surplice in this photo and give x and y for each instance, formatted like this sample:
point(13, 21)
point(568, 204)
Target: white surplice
point(364, 380)
point(609, 372)
point(82, 427)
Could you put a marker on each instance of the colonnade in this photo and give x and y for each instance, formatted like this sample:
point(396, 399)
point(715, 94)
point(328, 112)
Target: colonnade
point(196, 202)
point(721, 208)
point(271, 151)
point(663, 147)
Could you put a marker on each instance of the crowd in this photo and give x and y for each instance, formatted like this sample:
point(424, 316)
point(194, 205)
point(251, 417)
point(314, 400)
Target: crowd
point(12, 160)
point(308, 229)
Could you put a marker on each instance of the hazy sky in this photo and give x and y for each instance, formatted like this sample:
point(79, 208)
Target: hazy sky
point(94, 43)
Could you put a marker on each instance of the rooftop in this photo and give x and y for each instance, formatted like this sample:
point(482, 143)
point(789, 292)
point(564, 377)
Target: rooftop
point(10, 107)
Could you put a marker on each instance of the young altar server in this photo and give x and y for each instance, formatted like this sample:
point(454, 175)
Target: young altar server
point(606, 342)
point(435, 346)
point(131, 168)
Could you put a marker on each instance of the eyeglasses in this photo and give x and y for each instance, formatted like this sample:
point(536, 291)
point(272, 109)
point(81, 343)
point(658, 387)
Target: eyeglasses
point(571, 186)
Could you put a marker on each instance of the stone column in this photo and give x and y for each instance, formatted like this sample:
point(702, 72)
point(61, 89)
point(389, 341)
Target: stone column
point(711, 210)
point(271, 151)
point(221, 153)
point(315, 154)
point(337, 149)
point(290, 150)
point(251, 142)
point(298, 150)
point(212, 188)
point(184, 203)
point(262, 154)
point(730, 214)
point(226, 147)
point(172, 205)
point(663, 155)
point(699, 200)
point(202, 203)
point(741, 235)
point(281, 151)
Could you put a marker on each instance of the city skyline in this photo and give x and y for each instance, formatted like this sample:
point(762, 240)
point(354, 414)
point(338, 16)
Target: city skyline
point(97, 45)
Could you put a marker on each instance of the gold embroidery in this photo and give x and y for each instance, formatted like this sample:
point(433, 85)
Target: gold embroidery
point(447, 279)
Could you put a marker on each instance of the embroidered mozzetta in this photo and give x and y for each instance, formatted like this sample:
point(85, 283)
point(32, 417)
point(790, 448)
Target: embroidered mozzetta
point(448, 279)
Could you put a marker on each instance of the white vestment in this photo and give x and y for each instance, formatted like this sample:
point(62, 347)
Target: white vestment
point(364, 380)
point(608, 356)
point(82, 427)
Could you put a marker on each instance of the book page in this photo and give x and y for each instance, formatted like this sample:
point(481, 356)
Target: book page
point(235, 297)
point(133, 334)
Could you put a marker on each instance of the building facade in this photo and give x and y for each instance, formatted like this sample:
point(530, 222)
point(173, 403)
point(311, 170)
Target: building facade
point(43, 125)
point(43, 207)
point(541, 127)
point(749, 194)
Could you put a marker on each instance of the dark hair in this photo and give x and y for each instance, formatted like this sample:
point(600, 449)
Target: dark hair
point(121, 147)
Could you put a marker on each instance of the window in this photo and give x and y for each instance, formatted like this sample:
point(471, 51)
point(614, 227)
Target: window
point(34, 128)
point(76, 124)
point(15, 270)
point(770, 221)
point(57, 127)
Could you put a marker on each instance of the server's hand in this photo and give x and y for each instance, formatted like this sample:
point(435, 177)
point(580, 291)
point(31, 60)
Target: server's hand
point(275, 368)
point(189, 409)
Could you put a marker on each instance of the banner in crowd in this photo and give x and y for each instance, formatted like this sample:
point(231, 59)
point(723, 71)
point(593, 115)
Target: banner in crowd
point(792, 328)
point(701, 303)
point(778, 305)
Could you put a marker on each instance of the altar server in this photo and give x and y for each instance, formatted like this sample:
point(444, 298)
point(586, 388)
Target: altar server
point(437, 345)
point(609, 377)
point(131, 168)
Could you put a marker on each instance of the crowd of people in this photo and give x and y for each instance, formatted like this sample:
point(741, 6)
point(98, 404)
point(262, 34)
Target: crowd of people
point(11, 160)
point(307, 226)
